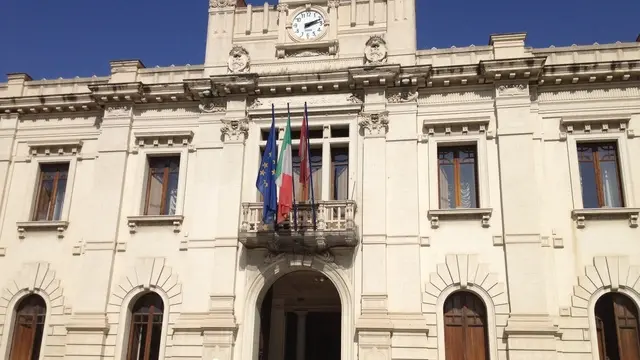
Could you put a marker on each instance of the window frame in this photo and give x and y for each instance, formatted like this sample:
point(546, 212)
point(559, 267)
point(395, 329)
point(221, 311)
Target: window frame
point(131, 323)
point(456, 169)
point(624, 172)
point(482, 167)
point(38, 193)
point(598, 170)
point(165, 189)
point(591, 313)
point(29, 212)
point(10, 320)
point(142, 175)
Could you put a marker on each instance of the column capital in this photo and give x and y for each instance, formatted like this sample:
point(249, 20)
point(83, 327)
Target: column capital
point(283, 8)
point(235, 130)
point(374, 124)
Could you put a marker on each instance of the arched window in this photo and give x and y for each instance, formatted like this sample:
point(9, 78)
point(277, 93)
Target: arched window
point(465, 327)
point(28, 328)
point(145, 331)
point(617, 327)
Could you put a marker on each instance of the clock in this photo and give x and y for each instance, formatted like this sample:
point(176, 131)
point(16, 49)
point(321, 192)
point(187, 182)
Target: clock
point(308, 24)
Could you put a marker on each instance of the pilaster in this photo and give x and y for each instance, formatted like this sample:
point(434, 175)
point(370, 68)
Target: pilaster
point(219, 33)
point(8, 127)
point(530, 332)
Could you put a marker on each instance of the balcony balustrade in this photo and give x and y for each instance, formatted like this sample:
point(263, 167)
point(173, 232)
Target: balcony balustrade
point(334, 227)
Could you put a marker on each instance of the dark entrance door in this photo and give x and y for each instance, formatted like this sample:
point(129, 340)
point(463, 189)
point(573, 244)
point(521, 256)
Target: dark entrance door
point(323, 336)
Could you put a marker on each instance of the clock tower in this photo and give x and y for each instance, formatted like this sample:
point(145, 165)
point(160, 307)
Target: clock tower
point(313, 31)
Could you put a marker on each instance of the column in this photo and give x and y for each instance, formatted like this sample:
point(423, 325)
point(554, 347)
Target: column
point(301, 334)
point(277, 330)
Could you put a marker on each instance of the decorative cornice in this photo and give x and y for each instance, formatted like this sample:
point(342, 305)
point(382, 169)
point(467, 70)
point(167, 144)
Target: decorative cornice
point(374, 123)
point(603, 71)
point(211, 105)
point(46, 104)
point(214, 4)
point(123, 92)
point(402, 97)
point(511, 69)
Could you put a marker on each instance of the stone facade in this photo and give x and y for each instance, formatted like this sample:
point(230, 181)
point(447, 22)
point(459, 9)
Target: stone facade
point(530, 249)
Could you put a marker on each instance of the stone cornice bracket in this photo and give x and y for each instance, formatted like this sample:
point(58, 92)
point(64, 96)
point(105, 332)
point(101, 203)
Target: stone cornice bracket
point(117, 93)
point(48, 104)
point(366, 76)
point(529, 68)
point(603, 71)
point(235, 130)
point(374, 124)
point(234, 84)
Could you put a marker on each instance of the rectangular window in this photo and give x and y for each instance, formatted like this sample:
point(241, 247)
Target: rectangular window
point(600, 175)
point(316, 174)
point(339, 173)
point(458, 177)
point(162, 185)
point(52, 186)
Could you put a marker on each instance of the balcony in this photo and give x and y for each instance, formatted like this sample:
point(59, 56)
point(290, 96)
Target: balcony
point(335, 227)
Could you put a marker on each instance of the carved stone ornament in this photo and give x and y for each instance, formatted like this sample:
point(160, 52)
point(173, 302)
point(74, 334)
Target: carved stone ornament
point(354, 99)
point(282, 7)
point(236, 129)
point(373, 124)
point(333, 4)
point(211, 106)
point(239, 60)
point(221, 3)
point(403, 96)
point(117, 110)
point(512, 89)
point(375, 51)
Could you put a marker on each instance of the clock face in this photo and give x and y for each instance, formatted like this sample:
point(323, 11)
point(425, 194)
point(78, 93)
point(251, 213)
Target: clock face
point(308, 25)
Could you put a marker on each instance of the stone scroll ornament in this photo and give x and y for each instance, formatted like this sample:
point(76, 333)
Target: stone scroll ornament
point(375, 51)
point(239, 60)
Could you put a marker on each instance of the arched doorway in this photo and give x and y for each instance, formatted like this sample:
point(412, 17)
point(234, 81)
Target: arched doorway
point(465, 327)
point(617, 327)
point(300, 318)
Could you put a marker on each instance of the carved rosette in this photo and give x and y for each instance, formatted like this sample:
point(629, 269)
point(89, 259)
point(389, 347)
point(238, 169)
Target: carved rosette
point(239, 60)
point(375, 51)
point(403, 97)
point(235, 130)
point(374, 124)
point(512, 89)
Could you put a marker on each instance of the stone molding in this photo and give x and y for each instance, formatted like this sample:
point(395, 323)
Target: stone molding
point(148, 274)
point(463, 271)
point(374, 124)
point(33, 278)
point(213, 4)
point(607, 272)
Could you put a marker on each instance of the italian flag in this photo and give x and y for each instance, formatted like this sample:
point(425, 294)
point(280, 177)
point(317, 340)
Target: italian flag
point(284, 176)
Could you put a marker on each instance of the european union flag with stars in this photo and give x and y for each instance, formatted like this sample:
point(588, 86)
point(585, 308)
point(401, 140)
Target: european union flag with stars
point(266, 182)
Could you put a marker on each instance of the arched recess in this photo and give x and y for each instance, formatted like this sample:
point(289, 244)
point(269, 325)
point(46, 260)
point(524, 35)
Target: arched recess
point(463, 272)
point(275, 268)
point(33, 278)
point(147, 275)
point(607, 274)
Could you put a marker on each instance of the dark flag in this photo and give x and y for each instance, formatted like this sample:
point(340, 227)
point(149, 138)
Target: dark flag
point(266, 181)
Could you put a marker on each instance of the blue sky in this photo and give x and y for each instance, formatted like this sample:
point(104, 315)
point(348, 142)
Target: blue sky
point(67, 38)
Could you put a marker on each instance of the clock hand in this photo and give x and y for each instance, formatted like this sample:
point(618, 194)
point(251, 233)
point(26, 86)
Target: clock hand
point(311, 23)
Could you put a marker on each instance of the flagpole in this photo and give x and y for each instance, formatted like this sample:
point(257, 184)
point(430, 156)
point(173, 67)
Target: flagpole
point(273, 121)
point(313, 208)
point(293, 189)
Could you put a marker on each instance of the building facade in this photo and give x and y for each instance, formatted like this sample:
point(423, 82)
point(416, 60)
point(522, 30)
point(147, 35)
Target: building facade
point(470, 203)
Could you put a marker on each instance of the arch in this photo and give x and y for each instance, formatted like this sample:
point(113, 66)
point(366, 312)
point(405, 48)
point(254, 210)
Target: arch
point(607, 274)
point(147, 275)
point(28, 327)
point(267, 276)
point(33, 278)
point(464, 310)
point(143, 316)
point(464, 272)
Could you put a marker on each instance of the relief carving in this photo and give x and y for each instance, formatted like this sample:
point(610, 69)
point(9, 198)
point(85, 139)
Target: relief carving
point(333, 4)
point(221, 3)
point(355, 99)
point(375, 51)
point(236, 129)
point(239, 60)
point(209, 105)
point(282, 8)
point(512, 89)
point(117, 110)
point(403, 96)
point(373, 124)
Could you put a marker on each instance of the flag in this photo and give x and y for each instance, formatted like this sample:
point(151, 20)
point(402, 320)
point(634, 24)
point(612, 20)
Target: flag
point(266, 181)
point(284, 175)
point(303, 154)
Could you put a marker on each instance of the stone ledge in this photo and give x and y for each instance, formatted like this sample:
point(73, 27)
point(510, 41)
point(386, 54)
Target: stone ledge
point(581, 215)
point(88, 323)
point(59, 226)
point(155, 220)
point(459, 214)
